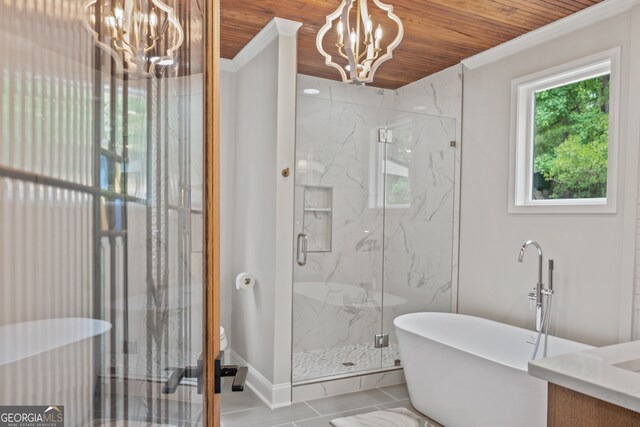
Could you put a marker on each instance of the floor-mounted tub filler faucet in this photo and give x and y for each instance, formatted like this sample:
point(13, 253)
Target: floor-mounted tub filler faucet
point(537, 294)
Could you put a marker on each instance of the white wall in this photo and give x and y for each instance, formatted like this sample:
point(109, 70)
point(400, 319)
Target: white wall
point(257, 143)
point(227, 195)
point(634, 103)
point(255, 209)
point(593, 253)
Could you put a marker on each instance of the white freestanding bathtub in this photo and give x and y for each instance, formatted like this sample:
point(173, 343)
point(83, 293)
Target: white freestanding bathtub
point(465, 371)
point(51, 362)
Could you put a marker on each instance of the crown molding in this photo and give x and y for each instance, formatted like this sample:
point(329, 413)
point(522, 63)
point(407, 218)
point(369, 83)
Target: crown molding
point(576, 21)
point(227, 65)
point(277, 27)
point(287, 27)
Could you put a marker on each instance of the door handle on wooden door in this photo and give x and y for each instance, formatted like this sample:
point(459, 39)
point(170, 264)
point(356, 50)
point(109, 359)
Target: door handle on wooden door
point(238, 372)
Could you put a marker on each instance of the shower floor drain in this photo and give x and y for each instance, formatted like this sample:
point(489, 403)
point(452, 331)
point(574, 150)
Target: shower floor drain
point(348, 364)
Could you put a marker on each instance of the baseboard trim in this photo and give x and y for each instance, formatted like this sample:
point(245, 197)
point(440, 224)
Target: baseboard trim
point(273, 395)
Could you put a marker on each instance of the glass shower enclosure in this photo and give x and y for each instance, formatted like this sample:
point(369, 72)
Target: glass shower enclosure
point(374, 215)
point(101, 211)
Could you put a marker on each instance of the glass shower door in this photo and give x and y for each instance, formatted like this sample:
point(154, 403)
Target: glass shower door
point(337, 298)
point(374, 218)
point(419, 184)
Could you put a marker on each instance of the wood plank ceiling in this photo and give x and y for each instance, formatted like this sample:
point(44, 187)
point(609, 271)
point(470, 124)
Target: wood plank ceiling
point(438, 33)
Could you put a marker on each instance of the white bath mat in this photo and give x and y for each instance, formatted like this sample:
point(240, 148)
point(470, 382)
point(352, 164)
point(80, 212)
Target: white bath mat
point(397, 417)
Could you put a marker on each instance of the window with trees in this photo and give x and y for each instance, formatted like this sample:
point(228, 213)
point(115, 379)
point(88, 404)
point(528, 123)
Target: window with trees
point(396, 167)
point(565, 137)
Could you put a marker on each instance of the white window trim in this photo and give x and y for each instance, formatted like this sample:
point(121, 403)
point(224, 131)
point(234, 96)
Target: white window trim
point(521, 147)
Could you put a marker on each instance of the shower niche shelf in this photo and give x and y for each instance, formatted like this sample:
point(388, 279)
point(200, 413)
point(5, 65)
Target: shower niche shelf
point(317, 221)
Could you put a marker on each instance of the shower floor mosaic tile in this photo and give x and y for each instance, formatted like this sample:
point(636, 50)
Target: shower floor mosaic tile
point(342, 360)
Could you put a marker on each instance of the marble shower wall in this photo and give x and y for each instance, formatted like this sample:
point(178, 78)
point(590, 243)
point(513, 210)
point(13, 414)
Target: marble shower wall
point(392, 239)
point(334, 149)
point(418, 235)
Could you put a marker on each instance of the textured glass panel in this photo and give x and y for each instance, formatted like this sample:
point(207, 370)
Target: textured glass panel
point(46, 89)
point(100, 285)
point(46, 262)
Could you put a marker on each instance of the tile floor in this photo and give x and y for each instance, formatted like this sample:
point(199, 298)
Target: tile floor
point(247, 410)
point(134, 403)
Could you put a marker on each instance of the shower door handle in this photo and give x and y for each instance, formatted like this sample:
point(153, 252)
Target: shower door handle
point(301, 249)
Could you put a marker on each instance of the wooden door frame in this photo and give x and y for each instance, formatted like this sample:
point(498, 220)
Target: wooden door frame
point(211, 315)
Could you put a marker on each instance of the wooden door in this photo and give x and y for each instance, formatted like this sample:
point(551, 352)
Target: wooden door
point(212, 193)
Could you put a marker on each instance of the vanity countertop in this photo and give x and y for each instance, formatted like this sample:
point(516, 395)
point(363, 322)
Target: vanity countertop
point(609, 373)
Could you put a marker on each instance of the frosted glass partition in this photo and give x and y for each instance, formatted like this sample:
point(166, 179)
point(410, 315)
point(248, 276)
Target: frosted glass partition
point(390, 224)
point(100, 217)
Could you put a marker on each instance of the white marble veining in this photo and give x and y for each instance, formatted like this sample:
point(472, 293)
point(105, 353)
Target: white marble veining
point(335, 141)
point(341, 92)
point(392, 209)
point(439, 94)
point(418, 242)
point(609, 373)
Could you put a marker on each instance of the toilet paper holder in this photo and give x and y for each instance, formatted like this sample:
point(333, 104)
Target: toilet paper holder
point(245, 281)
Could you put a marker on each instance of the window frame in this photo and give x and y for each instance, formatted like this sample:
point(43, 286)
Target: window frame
point(378, 170)
point(522, 122)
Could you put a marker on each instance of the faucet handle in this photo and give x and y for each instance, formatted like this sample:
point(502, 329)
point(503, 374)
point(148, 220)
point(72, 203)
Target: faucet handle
point(533, 296)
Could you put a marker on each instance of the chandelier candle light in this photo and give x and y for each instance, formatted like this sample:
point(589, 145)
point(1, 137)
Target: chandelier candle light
point(361, 46)
point(138, 34)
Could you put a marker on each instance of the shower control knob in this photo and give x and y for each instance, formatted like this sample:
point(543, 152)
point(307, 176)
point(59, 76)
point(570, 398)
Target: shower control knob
point(533, 296)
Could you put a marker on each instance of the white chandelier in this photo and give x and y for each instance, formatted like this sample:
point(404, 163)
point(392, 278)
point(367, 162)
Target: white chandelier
point(138, 34)
point(362, 50)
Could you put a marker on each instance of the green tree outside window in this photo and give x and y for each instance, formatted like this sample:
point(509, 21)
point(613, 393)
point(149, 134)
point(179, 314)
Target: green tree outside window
point(571, 136)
